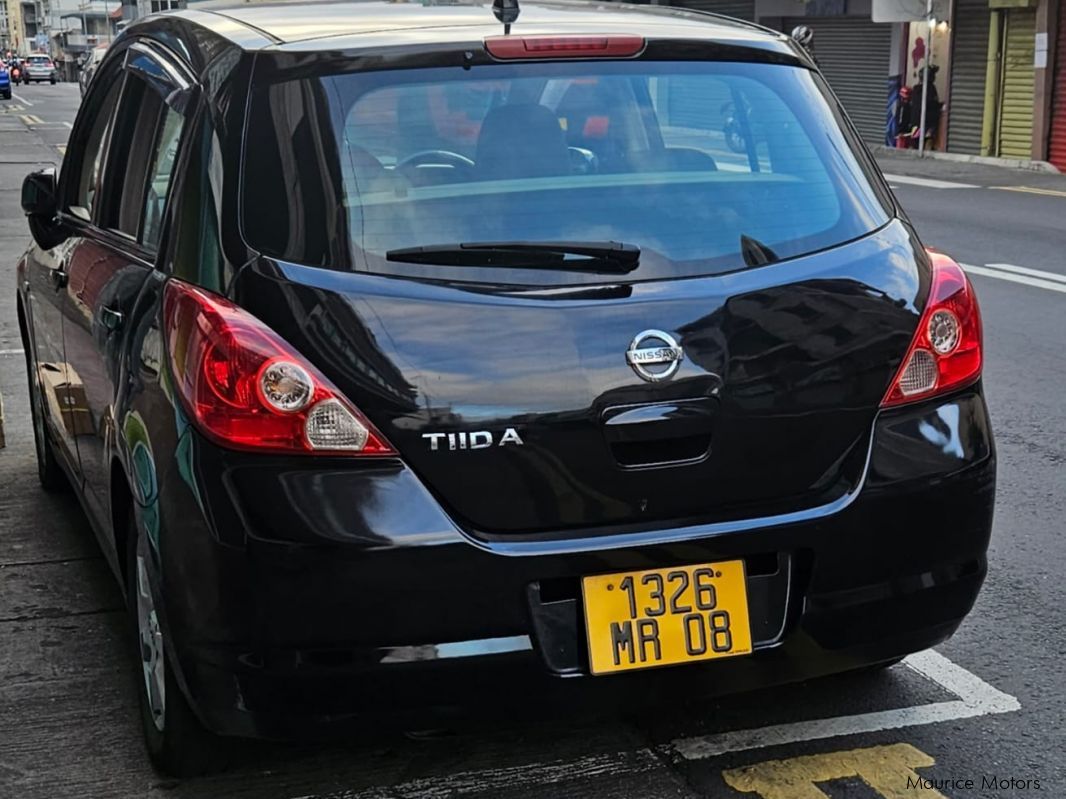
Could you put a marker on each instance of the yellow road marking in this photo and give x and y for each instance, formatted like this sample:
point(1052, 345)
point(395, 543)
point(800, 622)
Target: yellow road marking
point(62, 148)
point(1028, 190)
point(32, 119)
point(889, 770)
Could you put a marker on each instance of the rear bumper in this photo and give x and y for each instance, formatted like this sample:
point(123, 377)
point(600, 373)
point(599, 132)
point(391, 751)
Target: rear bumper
point(298, 598)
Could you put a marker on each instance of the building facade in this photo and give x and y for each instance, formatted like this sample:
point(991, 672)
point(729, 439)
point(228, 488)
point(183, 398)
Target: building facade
point(1000, 66)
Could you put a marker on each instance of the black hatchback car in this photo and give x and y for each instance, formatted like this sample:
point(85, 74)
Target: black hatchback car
point(403, 357)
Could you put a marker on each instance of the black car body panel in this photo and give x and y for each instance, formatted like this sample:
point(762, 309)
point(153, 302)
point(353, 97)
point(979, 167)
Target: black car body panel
point(298, 591)
point(792, 364)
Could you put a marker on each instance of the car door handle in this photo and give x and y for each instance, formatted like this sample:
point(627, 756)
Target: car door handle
point(58, 278)
point(110, 318)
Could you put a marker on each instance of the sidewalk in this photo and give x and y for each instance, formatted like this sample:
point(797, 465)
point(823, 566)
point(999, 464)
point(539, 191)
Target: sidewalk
point(22, 152)
point(906, 162)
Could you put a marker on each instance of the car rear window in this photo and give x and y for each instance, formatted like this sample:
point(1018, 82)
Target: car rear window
point(680, 159)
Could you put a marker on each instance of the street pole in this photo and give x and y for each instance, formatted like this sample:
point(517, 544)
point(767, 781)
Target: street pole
point(925, 76)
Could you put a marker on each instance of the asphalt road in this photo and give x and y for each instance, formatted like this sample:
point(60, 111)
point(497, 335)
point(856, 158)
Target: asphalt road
point(988, 705)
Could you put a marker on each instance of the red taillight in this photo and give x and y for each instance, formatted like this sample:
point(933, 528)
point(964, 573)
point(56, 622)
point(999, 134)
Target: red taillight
point(248, 389)
point(946, 351)
point(510, 48)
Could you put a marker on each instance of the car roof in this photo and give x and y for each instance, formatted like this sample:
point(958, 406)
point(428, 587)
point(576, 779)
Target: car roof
point(283, 22)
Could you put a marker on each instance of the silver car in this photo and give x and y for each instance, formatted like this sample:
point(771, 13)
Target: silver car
point(88, 69)
point(39, 68)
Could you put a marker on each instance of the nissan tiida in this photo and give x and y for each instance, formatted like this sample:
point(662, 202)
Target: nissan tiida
point(408, 355)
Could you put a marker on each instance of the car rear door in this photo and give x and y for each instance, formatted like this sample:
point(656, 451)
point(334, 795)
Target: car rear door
point(114, 252)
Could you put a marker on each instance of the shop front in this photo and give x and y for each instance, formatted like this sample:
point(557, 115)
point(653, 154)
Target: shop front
point(1057, 140)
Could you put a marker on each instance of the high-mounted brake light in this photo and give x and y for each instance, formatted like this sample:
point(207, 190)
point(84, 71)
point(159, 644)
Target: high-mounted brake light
point(946, 353)
point(510, 48)
point(246, 388)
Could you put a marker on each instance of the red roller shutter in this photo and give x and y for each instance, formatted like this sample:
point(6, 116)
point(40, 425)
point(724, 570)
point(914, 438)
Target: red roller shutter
point(1057, 150)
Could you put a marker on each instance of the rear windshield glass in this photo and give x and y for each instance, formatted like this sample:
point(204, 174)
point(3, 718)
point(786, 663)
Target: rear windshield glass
point(679, 159)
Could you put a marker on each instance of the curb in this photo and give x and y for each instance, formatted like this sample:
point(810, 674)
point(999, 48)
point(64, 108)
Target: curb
point(1020, 164)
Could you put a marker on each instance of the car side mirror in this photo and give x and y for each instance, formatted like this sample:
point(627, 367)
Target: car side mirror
point(39, 191)
point(40, 202)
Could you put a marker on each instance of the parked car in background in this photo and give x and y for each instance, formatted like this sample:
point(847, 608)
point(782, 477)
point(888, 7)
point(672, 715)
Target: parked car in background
point(88, 69)
point(401, 365)
point(40, 68)
point(5, 82)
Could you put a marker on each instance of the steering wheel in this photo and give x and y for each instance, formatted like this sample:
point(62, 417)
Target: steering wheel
point(435, 158)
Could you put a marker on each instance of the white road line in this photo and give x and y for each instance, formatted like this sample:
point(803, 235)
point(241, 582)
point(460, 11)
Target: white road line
point(1055, 277)
point(929, 183)
point(12, 352)
point(22, 99)
point(1013, 277)
point(975, 698)
point(69, 124)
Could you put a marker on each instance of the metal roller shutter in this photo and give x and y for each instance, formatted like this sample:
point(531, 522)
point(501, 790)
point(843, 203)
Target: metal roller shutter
point(1016, 107)
point(1057, 148)
point(969, 67)
point(740, 9)
point(853, 53)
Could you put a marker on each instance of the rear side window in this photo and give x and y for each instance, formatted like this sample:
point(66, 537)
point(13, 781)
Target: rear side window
point(197, 254)
point(143, 151)
point(680, 159)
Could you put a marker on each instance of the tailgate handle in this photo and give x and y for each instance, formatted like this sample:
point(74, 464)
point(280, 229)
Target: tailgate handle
point(661, 420)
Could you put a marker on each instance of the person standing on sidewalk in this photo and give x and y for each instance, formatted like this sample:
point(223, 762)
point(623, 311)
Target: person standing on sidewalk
point(931, 100)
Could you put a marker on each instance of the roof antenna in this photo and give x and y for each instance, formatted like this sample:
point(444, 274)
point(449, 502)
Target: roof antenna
point(507, 12)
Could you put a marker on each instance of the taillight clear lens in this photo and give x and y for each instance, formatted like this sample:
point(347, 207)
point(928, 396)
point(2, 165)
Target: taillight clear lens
point(246, 388)
point(946, 353)
point(285, 386)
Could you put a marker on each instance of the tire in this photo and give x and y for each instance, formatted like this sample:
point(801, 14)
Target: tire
point(177, 744)
point(53, 81)
point(49, 472)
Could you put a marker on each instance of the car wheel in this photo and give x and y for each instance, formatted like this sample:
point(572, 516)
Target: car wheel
point(53, 81)
point(177, 744)
point(49, 472)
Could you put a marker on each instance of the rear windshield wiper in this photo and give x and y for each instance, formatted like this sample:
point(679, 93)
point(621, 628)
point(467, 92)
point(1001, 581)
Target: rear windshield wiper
point(611, 257)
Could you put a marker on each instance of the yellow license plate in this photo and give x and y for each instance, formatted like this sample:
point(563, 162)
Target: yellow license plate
point(637, 620)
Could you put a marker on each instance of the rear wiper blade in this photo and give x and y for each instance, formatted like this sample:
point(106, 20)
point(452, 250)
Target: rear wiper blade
point(610, 257)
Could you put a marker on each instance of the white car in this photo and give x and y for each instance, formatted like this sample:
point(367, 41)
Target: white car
point(39, 68)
